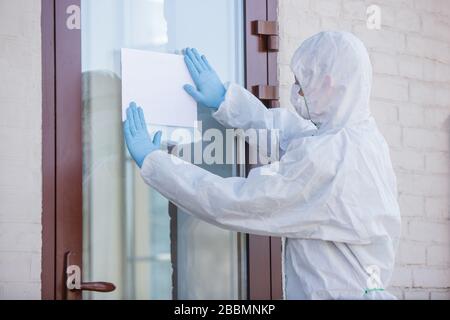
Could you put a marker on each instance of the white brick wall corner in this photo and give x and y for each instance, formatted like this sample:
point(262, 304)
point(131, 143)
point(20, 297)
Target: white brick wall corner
point(411, 103)
point(20, 144)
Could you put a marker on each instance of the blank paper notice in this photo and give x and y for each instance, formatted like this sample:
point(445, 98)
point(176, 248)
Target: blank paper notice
point(155, 82)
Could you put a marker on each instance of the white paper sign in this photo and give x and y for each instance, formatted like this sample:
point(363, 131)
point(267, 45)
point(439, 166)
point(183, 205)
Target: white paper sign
point(155, 82)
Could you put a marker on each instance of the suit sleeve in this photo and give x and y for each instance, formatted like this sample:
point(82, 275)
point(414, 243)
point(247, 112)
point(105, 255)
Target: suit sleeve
point(242, 110)
point(273, 200)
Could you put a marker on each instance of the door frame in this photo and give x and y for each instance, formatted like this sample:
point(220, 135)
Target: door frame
point(62, 149)
point(264, 253)
point(48, 287)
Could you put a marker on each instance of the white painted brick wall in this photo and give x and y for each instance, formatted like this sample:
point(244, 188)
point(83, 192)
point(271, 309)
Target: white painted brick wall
point(411, 103)
point(20, 144)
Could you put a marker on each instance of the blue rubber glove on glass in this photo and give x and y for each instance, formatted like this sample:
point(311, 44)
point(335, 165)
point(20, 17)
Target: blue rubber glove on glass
point(137, 138)
point(210, 91)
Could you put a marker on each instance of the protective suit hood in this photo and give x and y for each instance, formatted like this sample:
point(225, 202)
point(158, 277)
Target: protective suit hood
point(335, 73)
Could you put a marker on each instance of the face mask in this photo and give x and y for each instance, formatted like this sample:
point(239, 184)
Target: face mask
point(299, 102)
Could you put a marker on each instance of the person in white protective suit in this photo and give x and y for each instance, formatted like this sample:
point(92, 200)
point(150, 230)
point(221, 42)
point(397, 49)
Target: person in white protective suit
point(333, 194)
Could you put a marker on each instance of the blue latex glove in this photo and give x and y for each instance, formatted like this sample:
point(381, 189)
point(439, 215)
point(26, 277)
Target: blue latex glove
point(210, 91)
point(136, 135)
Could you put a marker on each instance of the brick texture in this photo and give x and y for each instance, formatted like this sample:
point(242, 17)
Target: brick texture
point(20, 140)
point(411, 103)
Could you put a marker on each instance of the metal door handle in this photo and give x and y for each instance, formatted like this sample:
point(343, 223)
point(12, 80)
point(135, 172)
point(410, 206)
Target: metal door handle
point(73, 278)
point(98, 286)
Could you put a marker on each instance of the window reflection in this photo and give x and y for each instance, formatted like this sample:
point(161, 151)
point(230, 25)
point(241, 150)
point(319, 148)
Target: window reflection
point(129, 237)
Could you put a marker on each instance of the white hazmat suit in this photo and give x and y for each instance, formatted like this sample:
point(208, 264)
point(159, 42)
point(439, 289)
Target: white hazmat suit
point(332, 196)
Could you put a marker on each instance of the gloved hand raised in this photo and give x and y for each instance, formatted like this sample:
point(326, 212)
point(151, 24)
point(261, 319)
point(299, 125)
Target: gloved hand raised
point(136, 135)
point(210, 91)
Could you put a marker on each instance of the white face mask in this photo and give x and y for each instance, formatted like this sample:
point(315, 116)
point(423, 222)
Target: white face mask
point(299, 102)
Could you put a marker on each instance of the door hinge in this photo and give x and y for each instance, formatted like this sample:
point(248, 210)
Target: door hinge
point(270, 95)
point(269, 31)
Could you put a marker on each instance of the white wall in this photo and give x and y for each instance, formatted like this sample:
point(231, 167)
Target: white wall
point(411, 103)
point(20, 145)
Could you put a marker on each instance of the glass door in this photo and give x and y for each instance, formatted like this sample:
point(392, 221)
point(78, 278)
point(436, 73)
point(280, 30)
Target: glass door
point(132, 236)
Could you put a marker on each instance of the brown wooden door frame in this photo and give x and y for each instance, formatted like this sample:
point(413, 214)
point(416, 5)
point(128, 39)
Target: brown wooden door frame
point(275, 243)
point(48, 151)
point(62, 147)
point(264, 253)
point(62, 150)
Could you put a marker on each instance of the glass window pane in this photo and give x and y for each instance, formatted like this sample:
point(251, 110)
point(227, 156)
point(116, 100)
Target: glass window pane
point(129, 236)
